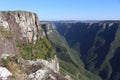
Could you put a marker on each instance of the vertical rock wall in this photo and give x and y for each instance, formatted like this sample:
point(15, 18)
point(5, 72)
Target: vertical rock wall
point(17, 26)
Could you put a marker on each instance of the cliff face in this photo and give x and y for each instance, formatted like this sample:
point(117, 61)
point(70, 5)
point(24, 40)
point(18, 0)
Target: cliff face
point(47, 26)
point(24, 48)
point(41, 69)
point(97, 44)
point(23, 25)
point(17, 26)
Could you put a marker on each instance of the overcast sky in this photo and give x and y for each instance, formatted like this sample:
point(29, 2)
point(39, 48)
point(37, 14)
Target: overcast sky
point(67, 9)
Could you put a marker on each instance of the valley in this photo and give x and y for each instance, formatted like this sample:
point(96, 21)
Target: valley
point(96, 44)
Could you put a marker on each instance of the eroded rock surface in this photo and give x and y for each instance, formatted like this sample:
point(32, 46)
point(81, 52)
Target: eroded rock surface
point(43, 69)
point(17, 26)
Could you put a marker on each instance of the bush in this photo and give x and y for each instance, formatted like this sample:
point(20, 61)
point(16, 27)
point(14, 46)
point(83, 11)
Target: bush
point(5, 61)
point(42, 49)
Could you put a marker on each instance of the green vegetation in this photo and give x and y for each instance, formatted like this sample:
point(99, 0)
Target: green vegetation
point(4, 33)
point(68, 67)
point(97, 44)
point(5, 61)
point(42, 49)
point(113, 47)
point(65, 52)
point(69, 61)
point(76, 73)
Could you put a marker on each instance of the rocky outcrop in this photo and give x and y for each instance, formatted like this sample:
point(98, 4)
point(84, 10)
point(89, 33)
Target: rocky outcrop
point(41, 69)
point(23, 25)
point(17, 26)
point(47, 26)
point(4, 73)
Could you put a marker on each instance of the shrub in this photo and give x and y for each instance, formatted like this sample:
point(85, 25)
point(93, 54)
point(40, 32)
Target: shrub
point(5, 61)
point(42, 49)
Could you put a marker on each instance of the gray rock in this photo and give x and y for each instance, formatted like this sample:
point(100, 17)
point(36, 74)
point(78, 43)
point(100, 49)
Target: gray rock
point(17, 26)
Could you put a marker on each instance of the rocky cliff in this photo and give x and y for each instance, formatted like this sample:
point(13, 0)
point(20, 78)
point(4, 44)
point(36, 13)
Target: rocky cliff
point(24, 48)
point(17, 26)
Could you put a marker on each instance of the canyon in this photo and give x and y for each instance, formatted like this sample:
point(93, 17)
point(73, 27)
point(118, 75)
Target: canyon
point(31, 49)
point(97, 44)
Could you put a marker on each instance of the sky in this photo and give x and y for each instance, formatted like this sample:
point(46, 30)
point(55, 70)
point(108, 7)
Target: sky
point(67, 9)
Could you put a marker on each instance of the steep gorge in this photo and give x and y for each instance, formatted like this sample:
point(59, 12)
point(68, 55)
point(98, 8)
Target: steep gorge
point(97, 44)
point(70, 63)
